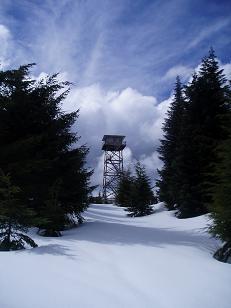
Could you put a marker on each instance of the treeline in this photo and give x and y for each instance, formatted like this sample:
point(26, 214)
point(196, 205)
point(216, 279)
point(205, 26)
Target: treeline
point(43, 179)
point(196, 148)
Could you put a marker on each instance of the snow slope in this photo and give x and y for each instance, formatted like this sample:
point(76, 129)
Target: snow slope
point(115, 261)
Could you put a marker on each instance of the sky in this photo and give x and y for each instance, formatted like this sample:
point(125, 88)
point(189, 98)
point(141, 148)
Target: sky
point(122, 56)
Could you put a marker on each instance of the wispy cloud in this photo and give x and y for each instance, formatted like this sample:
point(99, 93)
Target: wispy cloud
point(118, 44)
point(91, 68)
point(208, 31)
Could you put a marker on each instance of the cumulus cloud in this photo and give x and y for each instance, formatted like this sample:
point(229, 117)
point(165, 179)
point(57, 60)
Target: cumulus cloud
point(127, 112)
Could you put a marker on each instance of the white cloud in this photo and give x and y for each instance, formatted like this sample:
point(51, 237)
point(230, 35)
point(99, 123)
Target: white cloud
point(94, 59)
point(127, 112)
point(97, 177)
point(227, 70)
point(5, 44)
point(4, 32)
point(151, 162)
point(179, 70)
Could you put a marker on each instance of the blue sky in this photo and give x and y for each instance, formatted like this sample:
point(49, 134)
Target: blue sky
point(118, 43)
point(116, 51)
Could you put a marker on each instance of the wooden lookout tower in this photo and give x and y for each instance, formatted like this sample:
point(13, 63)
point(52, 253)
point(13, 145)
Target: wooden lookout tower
point(113, 146)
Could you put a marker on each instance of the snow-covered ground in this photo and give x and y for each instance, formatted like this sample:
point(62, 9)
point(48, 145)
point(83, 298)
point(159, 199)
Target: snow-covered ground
point(115, 261)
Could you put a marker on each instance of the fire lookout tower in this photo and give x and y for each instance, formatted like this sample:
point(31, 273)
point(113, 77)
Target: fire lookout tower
point(113, 146)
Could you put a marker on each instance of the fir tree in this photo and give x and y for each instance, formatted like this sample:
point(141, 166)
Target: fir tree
point(124, 194)
point(142, 194)
point(15, 217)
point(37, 144)
point(202, 132)
point(170, 149)
point(221, 203)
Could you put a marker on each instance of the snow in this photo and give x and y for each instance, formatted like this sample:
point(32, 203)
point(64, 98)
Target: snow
point(116, 261)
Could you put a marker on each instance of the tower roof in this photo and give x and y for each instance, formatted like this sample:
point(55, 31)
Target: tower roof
point(108, 137)
point(113, 143)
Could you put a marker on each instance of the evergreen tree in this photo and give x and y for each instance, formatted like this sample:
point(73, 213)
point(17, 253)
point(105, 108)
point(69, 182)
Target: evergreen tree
point(221, 204)
point(202, 132)
point(192, 132)
point(170, 149)
point(37, 145)
point(124, 194)
point(142, 194)
point(15, 217)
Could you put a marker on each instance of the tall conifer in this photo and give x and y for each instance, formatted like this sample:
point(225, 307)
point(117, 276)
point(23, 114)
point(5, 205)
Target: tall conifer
point(221, 201)
point(38, 147)
point(203, 131)
point(169, 149)
point(192, 132)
